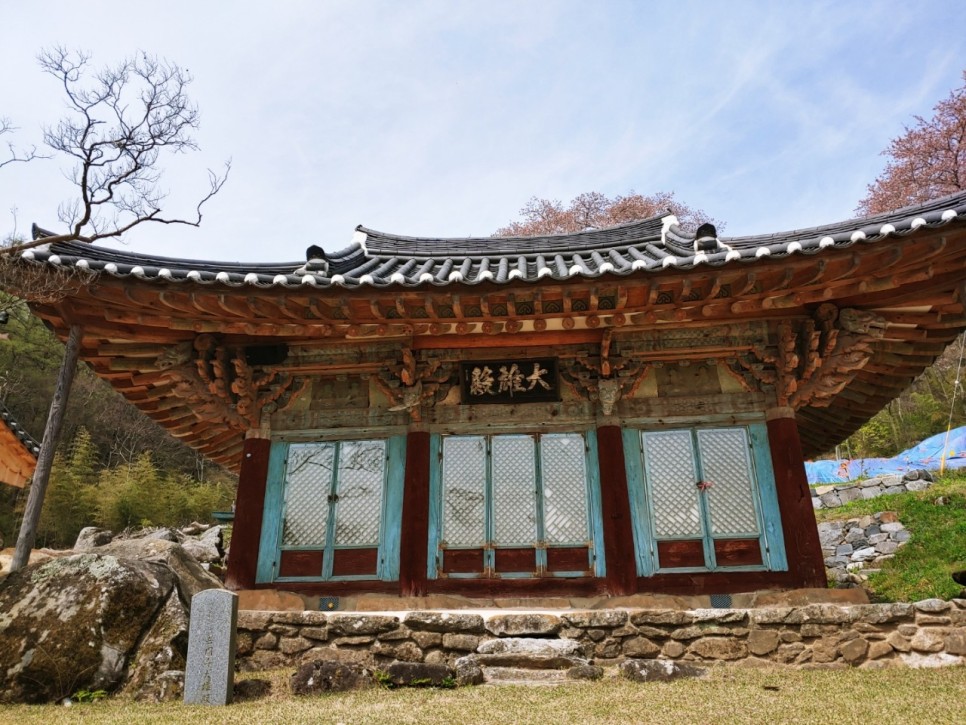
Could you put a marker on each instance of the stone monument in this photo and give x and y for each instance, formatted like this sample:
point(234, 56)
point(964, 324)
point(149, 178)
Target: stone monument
point(210, 671)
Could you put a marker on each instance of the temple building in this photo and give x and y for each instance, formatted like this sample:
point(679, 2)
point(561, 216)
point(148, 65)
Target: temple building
point(18, 451)
point(616, 411)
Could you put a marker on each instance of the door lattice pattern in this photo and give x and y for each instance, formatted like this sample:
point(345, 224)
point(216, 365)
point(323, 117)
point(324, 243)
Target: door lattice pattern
point(464, 491)
point(359, 503)
point(564, 489)
point(670, 464)
point(307, 488)
point(514, 491)
point(726, 464)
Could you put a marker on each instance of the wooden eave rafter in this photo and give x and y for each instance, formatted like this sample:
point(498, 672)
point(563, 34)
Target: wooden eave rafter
point(913, 283)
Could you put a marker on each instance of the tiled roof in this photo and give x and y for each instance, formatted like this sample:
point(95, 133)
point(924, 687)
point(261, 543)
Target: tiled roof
point(32, 446)
point(377, 259)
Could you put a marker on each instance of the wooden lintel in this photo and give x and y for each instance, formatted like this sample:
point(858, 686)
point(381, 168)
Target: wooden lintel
point(785, 279)
point(176, 300)
point(205, 304)
point(905, 333)
point(321, 311)
point(820, 267)
point(715, 288)
point(234, 306)
point(134, 349)
point(750, 280)
point(374, 309)
point(686, 285)
point(896, 317)
point(534, 339)
point(621, 297)
point(344, 308)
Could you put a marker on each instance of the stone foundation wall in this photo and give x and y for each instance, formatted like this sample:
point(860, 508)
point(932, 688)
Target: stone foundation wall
point(929, 633)
point(835, 495)
point(856, 548)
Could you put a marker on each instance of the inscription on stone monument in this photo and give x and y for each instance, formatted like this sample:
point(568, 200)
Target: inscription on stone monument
point(210, 671)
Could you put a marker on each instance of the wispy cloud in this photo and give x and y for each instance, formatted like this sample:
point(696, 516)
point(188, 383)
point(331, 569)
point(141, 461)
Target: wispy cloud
point(440, 117)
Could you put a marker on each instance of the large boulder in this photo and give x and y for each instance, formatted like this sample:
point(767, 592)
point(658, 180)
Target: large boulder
point(90, 537)
point(205, 551)
point(114, 619)
point(71, 624)
point(190, 576)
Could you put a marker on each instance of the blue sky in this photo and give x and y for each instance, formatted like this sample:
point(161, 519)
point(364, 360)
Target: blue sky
point(444, 117)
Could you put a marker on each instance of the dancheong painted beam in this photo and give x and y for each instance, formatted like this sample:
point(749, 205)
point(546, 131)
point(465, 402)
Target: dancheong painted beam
point(618, 410)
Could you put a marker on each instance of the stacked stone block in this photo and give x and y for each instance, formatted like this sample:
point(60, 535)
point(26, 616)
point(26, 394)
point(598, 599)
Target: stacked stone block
point(856, 548)
point(833, 496)
point(927, 633)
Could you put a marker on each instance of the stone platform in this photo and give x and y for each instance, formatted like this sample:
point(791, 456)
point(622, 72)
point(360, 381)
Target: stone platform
point(275, 600)
point(829, 635)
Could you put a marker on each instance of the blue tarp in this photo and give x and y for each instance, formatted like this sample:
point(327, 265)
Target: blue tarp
point(927, 454)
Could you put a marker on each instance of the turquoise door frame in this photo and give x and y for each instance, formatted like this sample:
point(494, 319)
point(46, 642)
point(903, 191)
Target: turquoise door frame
point(595, 520)
point(270, 549)
point(771, 537)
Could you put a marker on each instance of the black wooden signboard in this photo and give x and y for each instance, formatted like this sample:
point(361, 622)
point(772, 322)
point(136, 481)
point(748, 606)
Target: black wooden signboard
point(510, 381)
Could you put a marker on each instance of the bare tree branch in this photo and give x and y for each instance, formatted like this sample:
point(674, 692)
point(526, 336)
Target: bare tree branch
point(13, 155)
point(121, 120)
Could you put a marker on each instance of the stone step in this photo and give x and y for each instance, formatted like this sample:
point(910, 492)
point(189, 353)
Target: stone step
point(529, 662)
point(522, 676)
point(531, 646)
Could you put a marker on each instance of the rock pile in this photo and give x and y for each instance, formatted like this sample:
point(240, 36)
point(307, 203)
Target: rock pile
point(203, 542)
point(832, 496)
point(855, 548)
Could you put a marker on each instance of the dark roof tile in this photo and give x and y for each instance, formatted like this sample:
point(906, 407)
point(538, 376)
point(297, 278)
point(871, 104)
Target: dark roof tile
point(379, 259)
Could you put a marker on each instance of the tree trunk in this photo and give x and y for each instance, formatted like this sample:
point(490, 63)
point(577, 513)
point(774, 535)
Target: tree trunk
point(45, 459)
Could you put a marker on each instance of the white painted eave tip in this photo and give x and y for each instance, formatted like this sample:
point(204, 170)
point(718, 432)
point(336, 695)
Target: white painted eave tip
point(359, 237)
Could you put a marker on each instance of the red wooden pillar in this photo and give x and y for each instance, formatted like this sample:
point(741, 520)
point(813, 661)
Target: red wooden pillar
point(616, 512)
point(414, 533)
point(249, 504)
point(802, 545)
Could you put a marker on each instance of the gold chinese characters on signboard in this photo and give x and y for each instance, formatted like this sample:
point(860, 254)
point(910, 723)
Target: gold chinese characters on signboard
point(510, 381)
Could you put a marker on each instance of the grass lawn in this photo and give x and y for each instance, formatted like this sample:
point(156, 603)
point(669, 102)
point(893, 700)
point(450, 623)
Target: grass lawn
point(921, 569)
point(727, 696)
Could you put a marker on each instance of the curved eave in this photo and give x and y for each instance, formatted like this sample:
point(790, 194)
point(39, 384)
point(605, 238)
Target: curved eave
point(17, 433)
point(913, 261)
point(378, 260)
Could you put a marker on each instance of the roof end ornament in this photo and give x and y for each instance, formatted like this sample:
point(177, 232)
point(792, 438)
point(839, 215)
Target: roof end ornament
point(315, 261)
point(706, 239)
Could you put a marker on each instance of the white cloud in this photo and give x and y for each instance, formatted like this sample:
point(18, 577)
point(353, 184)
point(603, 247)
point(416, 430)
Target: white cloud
point(445, 117)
